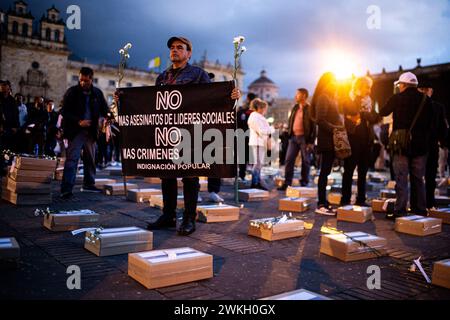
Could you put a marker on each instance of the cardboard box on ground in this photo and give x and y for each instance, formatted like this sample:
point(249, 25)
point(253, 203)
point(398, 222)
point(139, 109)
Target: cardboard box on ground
point(217, 213)
point(163, 268)
point(295, 204)
point(117, 189)
point(71, 220)
point(443, 214)
point(115, 241)
point(272, 229)
point(253, 195)
point(353, 246)
point(28, 181)
point(142, 195)
point(441, 273)
point(9, 249)
point(156, 201)
point(418, 225)
point(355, 214)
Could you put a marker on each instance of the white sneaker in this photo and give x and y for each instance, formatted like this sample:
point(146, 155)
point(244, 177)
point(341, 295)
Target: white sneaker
point(199, 199)
point(325, 211)
point(214, 197)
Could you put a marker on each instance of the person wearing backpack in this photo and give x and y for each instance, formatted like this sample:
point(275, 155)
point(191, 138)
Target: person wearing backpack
point(409, 142)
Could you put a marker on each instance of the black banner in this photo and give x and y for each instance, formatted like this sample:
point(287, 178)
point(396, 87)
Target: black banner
point(178, 131)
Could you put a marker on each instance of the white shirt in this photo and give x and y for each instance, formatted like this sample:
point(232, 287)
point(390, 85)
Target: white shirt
point(259, 129)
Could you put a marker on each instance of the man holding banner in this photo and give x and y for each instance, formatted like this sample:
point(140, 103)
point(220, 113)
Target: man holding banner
point(179, 73)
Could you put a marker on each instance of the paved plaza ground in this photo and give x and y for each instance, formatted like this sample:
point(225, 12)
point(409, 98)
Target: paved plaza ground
point(244, 267)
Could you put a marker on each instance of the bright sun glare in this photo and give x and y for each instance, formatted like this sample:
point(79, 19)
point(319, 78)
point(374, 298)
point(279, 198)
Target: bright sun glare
point(343, 64)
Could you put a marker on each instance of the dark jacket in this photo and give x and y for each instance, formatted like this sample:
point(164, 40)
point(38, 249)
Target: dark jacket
point(73, 110)
point(327, 116)
point(242, 118)
point(308, 124)
point(404, 107)
point(189, 74)
point(439, 129)
point(38, 117)
point(361, 134)
point(9, 114)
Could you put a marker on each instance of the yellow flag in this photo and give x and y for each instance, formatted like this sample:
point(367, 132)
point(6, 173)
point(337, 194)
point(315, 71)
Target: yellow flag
point(154, 63)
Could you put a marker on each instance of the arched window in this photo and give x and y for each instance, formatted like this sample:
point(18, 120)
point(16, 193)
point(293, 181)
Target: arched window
point(48, 34)
point(15, 27)
point(57, 35)
point(25, 30)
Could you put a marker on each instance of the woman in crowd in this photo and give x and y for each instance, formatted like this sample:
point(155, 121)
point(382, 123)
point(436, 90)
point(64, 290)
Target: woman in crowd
point(260, 131)
point(326, 114)
point(360, 118)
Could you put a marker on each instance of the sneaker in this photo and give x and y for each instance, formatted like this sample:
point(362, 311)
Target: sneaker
point(93, 189)
point(326, 211)
point(214, 197)
point(66, 195)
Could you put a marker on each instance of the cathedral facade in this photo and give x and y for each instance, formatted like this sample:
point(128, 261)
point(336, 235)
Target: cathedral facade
point(36, 59)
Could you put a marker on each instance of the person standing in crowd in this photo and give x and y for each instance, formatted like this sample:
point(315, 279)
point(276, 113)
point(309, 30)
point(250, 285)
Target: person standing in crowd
point(302, 134)
point(406, 106)
point(84, 109)
point(438, 138)
point(36, 124)
point(10, 117)
point(22, 143)
point(360, 117)
point(242, 123)
point(51, 129)
point(325, 112)
point(180, 72)
point(260, 132)
point(284, 138)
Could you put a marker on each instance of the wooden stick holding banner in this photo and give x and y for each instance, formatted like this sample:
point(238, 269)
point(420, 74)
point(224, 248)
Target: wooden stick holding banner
point(124, 56)
point(239, 49)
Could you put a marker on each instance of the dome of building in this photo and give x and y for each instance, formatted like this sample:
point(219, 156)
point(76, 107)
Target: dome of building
point(264, 88)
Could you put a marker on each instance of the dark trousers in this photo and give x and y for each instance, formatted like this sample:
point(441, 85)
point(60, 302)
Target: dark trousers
point(415, 167)
point(359, 158)
point(297, 144)
point(326, 165)
point(214, 185)
point(103, 150)
point(191, 187)
point(82, 141)
point(430, 175)
point(50, 145)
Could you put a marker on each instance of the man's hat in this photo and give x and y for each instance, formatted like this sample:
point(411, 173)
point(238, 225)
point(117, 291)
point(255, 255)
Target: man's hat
point(408, 78)
point(186, 41)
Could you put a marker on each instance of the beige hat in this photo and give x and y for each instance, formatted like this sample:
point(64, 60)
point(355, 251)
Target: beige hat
point(408, 78)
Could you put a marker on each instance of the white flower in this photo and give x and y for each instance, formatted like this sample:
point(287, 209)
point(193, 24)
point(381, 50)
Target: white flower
point(121, 51)
point(128, 46)
point(241, 39)
point(127, 56)
point(243, 49)
point(236, 40)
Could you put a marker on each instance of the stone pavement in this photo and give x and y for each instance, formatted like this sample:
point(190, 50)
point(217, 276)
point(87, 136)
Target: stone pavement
point(244, 267)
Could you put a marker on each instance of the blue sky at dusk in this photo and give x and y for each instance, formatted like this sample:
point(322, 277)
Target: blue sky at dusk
point(295, 41)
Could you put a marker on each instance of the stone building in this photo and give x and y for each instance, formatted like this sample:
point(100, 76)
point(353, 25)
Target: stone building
point(32, 57)
point(264, 88)
point(35, 58)
point(436, 75)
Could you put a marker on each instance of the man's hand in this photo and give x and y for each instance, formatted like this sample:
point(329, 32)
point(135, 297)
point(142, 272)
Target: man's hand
point(85, 123)
point(236, 94)
point(116, 96)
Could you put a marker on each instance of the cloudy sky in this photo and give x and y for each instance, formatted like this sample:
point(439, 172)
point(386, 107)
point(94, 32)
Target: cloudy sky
point(295, 41)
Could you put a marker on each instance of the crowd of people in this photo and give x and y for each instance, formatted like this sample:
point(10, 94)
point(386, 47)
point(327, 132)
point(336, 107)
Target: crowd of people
point(334, 126)
point(35, 128)
point(344, 127)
